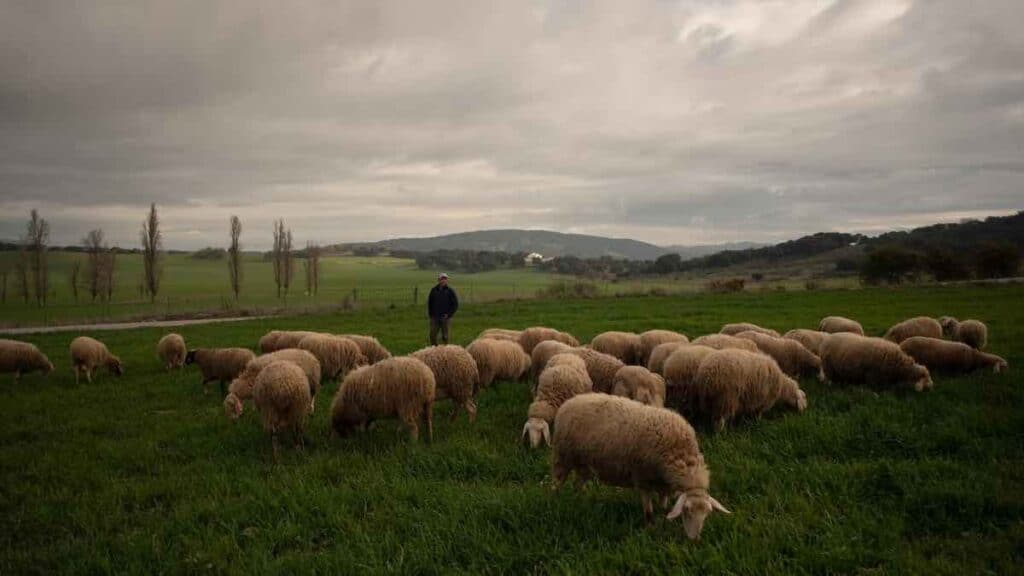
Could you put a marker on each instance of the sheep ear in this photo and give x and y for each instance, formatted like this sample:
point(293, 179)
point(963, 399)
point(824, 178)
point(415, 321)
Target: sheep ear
point(716, 505)
point(547, 434)
point(677, 509)
point(526, 430)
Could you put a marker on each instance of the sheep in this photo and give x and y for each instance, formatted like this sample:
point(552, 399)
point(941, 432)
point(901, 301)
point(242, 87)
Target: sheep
point(240, 388)
point(679, 371)
point(280, 339)
point(627, 444)
point(950, 357)
point(400, 387)
point(337, 355)
point(794, 360)
point(543, 352)
point(87, 354)
point(534, 335)
point(567, 359)
point(661, 352)
point(556, 385)
point(853, 359)
point(835, 324)
point(370, 347)
point(640, 384)
point(601, 367)
point(974, 333)
point(171, 350)
point(455, 376)
point(220, 364)
point(918, 326)
point(20, 357)
point(811, 339)
point(498, 360)
point(723, 341)
point(732, 383)
point(623, 345)
point(651, 339)
point(736, 328)
point(501, 334)
point(281, 396)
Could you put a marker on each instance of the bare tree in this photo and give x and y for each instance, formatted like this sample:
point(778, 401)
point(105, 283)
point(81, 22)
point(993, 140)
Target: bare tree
point(312, 267)
point(21, 267)
point(37, 235)
point(152, 242)
point(94, 249)
point(235, 256)
point(76, 269)
point(287, 262)
point(107, 266)
point(276, 255)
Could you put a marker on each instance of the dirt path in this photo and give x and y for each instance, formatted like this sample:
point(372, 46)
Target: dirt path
point(123, 325)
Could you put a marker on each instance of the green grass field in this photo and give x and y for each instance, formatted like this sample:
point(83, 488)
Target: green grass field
point(144, 474)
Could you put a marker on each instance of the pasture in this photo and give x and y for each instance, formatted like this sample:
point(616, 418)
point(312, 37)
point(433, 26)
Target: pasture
point(144, 473)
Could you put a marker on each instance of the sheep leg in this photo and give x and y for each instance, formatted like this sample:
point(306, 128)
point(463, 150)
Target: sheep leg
point(428, 420)
point(414, 429)
point(455, 411)
point(645, 500)
point(470, 407)
point(88, 374)
point(206, 389)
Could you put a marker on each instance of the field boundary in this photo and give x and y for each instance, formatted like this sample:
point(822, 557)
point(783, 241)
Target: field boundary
point(125, 325)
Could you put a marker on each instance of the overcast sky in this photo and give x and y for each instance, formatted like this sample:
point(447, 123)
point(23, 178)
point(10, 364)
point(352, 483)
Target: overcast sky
point(672, 122)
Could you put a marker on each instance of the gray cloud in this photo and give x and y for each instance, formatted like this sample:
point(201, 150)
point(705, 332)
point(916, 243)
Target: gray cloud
point(673, 122)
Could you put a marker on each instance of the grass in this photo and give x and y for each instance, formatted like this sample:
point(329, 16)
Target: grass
point(143, 474)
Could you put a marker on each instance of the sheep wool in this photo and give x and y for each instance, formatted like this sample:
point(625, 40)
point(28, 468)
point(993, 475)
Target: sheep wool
point(568, 359)
point(281, 339)
point(543, 352)
point(623, 345)
point(370, 347)
point(21, 357)
point(835, 324)
point(919, 326)
point(794, 360)
point(220, 365)
point(627, 444)
point(601, 368)
point(556, 385)
point(499, 360)
point(281, 396)
point(661, 352)
point(723, 341)
point(950, 357)
point(240, 388)
point(876, 362)
point(337, 355)
point(455, 376)
point(732, 383)
point(501, 334)
point(651, 339)
point(171, 350)
point(811, 339)
point(87, 354)
point(680, 370)
point(401, 387)
point(534, 335)
point(736, 328)
point(640, 384)
point(974, 333)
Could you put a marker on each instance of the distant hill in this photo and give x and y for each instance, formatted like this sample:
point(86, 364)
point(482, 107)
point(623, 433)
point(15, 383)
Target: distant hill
point(547, 243)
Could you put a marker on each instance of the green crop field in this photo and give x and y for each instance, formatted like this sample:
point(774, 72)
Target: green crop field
point(144, 474)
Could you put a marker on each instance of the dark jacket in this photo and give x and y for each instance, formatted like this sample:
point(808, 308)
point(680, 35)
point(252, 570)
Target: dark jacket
point(442, 302)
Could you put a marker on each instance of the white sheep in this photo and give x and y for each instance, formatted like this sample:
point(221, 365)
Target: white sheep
point(87, 354)
point(171, 350)
point(640, 384)
point(555, 385)
point(919, 326)
point(219, 364)
point(950, 357)
point(281, 396)
point(732, 383)
point(853, 359)
point(401, 387)
point(974, 333)
point(21, 357)
point(651, 339)
point(837, 324)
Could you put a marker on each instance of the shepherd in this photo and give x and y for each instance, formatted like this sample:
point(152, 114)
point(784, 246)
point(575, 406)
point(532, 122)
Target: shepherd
point(441, 306)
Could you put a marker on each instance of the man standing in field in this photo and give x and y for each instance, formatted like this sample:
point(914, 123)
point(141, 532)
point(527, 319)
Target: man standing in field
point(441, 306)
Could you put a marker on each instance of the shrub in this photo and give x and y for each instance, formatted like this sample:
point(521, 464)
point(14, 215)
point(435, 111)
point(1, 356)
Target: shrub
point(560, 290)
point(997, 260)
point(890, 264)
point(726, 285)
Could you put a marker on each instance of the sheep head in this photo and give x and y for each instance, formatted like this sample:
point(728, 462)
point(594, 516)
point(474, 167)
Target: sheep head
point(537, 429)
point(232, 406)
point(923, 379)
point(190, 356)
point(1000, 366)
point(694, 506)
point(115, 366)
point(948, 324)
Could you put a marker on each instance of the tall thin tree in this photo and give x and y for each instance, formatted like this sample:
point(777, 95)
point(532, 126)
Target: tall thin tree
point(277, 255)
point(76, 269)
point(152, 244)
point(287, 262)
point(94, 248)
point(37, 235)
point(108, 266)
point(235, 256)
point(312, 267)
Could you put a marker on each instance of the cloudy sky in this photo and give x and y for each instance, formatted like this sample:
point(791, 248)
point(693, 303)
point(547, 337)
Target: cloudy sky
point(690, 121)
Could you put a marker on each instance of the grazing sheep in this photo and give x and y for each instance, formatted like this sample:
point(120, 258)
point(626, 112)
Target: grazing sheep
point(399, 387)
point(220, 364)
point(543, 352)
point(974, 333)
point(679, 371)
point(627, 444)
point(568, 359)
point(369, 346)
point(661, 352)
point(534, 335)
point(794, 360)
point(736, 328)
point(501, 334)
point(651, 339)
point(601, 368)
point(640, 384)
point(950, 357)
point(623, 345)
point(723, 341)
point(836, 324)
point(853, 359)
point(281, 396)
point(240, 388)
point(455, 376)
point(280, 339)
point(811, 339)
point(171, 350)
point(20, 357)
point(499, 360)
point(919, 326)
point(88, 354)
point(556, 385)
point(732, 383)
point(337, 355)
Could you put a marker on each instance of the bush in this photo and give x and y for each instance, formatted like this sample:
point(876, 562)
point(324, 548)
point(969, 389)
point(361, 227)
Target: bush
point(890, 264)
point(560, 290)
point(210, 253)
point(997, 260)
point(724, 286)
point(944, 264)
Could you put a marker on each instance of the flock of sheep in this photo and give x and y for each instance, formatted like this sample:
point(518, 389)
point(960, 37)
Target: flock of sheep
point(620, 407)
